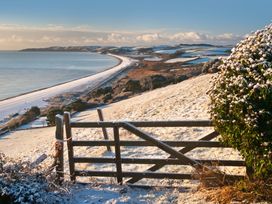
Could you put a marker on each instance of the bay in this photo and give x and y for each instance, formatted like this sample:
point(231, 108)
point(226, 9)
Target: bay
point(22, 72)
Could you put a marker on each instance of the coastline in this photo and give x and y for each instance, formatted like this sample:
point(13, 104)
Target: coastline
point(20, 103)
point(68, 81)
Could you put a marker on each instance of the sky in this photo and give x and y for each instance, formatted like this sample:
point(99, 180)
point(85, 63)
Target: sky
point(43, 23)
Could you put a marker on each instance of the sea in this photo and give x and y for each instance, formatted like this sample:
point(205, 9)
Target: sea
point(23, 72)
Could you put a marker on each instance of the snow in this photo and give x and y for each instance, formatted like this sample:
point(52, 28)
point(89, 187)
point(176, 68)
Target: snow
point(186, 100)
point(153, 59)
point(39, 122)
point(181, 59)
point(21, 103)
point(172, 51)
point(104, 193)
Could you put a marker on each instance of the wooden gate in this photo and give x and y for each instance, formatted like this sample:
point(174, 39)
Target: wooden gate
point(175, 158)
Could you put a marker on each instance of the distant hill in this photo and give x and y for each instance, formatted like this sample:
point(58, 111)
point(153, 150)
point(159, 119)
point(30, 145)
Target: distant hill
point(105, 49)
point(199, 45)
point(64, 49)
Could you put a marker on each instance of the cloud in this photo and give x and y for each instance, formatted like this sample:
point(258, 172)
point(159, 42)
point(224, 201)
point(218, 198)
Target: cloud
point(152, 37)
point(12, 38)
point(49, 39)
point(225, 37)
point(195, 37)
point(187, 36)
point(117, 38)
point(20, 36)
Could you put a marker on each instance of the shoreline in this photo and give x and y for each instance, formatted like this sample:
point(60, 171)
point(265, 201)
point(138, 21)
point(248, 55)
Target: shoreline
point(40, 89)
point(20, 103)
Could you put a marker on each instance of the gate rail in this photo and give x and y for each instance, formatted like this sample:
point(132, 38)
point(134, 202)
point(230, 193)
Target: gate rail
point(177, 157)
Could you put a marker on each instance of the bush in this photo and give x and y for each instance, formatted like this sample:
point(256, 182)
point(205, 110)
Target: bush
point(102, 91)
point(31, 114)
point(241, 101)
point(35, 110)
point(212, 66)
point(133, 85)
point(21, 183)
point(181, 78)
point(77, 105)
point(51, 115)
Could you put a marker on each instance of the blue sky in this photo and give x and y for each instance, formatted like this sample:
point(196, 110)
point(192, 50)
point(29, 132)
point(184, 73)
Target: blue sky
point(34, 23)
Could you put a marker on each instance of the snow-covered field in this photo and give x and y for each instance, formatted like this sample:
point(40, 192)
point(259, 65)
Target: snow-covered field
point(153, 59)
point(181, 59)
point(37, 98)
point(186, 100)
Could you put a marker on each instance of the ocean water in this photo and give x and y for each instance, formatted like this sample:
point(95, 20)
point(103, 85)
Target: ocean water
point(200, 60)
point(215, 51)
point(22, 72)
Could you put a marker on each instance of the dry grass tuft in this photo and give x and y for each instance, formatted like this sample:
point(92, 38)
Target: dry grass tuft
point(219, 188)
point(212, 176)
point(225, 194)
point(244, 191)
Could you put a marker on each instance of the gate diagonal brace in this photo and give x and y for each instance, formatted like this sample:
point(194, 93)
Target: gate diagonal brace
point(163, 146)
point(183, 150)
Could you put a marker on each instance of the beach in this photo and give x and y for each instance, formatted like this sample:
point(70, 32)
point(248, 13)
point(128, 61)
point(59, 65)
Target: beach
point(21, 103)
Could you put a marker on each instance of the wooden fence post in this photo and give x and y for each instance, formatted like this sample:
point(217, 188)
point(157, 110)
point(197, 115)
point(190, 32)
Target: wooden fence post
point(118, 155)
point(67, 120)
point(59, 149)
point(104, 130)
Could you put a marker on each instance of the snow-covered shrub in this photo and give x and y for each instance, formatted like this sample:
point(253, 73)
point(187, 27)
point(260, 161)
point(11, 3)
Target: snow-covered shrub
point(241, 100)
point(21, 184)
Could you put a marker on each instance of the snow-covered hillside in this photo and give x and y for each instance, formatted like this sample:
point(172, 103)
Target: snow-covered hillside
point(186, 100)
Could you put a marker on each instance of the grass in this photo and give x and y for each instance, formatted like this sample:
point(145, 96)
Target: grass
point(244, 191)
point(218, 189)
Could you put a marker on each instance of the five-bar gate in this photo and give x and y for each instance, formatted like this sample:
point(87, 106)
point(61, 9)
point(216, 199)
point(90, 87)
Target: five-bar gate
point(175, 158)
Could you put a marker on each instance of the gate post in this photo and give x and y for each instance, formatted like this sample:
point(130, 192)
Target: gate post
point(67, 120)
point(105, 133)
point(59, 149)
point(118, 155)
